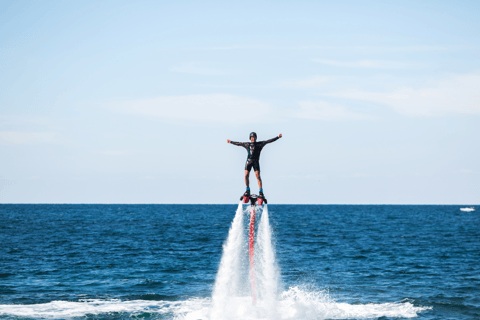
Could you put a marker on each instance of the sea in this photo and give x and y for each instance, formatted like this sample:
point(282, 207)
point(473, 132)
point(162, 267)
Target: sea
point(89, 261)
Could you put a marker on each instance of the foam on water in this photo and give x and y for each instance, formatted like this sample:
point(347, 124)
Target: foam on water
point(66, 309)
point(292, 304)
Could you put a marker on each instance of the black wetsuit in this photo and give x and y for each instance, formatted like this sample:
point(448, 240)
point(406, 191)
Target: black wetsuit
point(253, 149)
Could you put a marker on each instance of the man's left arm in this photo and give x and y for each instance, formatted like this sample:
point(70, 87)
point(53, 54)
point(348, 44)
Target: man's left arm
point(272, 140)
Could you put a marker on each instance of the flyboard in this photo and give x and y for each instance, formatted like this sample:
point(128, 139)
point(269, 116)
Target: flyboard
point(254, 200)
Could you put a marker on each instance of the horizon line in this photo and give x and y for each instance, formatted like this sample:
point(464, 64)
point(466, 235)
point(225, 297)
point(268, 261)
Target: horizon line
point(208, 204)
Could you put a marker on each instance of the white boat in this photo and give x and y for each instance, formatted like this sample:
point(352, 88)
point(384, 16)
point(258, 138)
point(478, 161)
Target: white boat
point(468, 209)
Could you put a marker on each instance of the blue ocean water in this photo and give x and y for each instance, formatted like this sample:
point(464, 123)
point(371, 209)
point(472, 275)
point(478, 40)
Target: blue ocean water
point(161, 261)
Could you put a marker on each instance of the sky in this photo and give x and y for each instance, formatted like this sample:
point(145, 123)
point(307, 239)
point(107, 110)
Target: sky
point(378, 102)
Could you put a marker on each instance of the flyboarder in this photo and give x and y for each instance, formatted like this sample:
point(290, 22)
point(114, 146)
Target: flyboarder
point(253, 148)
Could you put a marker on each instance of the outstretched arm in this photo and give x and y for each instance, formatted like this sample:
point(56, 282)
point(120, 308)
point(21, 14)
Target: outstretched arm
point(241, 144)
point(273, 139)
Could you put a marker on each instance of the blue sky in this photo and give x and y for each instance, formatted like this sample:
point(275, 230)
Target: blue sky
point(133, 101)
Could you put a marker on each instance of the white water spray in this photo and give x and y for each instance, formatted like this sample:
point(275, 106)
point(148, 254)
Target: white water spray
point(232, 294)
point(267, 268)
point(294, 304)
point(227, 284)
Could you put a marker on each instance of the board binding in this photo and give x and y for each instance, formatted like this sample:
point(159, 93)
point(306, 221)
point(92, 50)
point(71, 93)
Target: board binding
point(253, 199)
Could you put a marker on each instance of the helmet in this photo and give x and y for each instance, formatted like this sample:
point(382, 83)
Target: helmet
point(253, 134)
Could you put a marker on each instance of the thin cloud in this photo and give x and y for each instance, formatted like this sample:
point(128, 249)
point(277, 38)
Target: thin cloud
point(221, 48)
point(365, 49)
point(196, 68)
point(220, 108)
point(379, 64)
point(231, 109)
point(24, 120)
point(312, 82)
point(360, 175)
point(19, 138)
point(122, 152)
point(321, 110)
point(116, 152)
point(469, 171)
point(458, 95)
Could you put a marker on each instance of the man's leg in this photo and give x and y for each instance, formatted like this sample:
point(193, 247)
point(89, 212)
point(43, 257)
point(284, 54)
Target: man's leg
point(247, 178)
point(248, 167)
point(259, 179)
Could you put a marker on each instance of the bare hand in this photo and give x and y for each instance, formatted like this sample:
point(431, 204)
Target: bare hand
point(228, 141)
point(280, 135)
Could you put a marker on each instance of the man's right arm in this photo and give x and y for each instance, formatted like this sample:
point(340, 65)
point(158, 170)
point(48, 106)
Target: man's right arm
point(241, 144)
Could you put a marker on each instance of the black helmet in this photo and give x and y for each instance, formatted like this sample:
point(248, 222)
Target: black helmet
point(253, 134)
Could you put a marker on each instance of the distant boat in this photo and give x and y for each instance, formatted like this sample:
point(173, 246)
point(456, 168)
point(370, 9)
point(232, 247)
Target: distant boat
point(468, 209)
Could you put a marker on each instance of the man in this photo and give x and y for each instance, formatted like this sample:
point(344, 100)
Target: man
point(253, 148)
